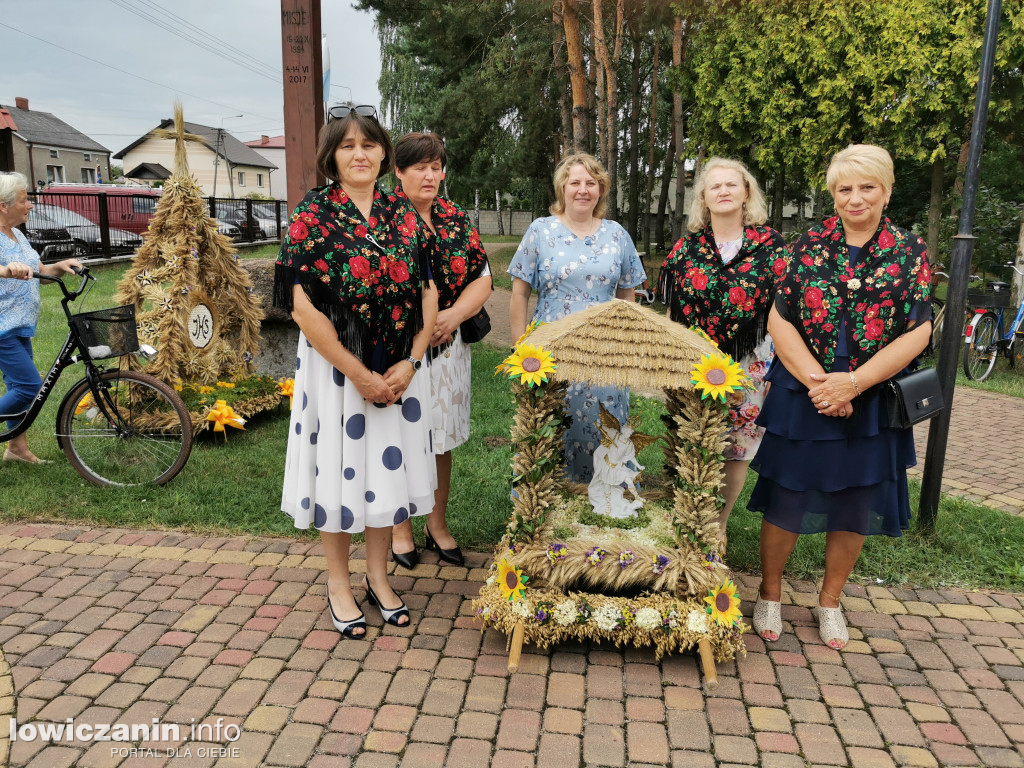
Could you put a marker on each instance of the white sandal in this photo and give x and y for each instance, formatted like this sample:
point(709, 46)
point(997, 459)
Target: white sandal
point(767, 618)
point(832, 625)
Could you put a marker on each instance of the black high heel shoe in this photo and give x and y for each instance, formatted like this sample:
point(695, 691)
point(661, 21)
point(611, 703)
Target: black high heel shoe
point(390, 616)
point(347, 628)
point(406, 559)
point(453, 556)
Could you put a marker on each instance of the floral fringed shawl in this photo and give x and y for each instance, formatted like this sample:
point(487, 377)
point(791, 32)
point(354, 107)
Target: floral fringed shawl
point(457, 255)
point(729, 302)
point(890, 283)
point(365, 275)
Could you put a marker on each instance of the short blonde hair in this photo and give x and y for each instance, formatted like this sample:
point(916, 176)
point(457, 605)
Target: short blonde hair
point(10, 184)
point(755, 212)
point(865, 160)
point(592, 166)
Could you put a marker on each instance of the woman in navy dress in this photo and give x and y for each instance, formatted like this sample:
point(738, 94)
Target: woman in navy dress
point(851, 312)
point(574, 259)
point(357, 283)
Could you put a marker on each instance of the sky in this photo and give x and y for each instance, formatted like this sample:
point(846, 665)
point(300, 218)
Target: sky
point(115, 106)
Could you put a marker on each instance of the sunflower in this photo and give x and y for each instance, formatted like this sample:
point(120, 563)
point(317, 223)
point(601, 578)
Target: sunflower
point(534, 324)
point(530, 364)
point(724, 604)
point(717, 375)
point(512, 581)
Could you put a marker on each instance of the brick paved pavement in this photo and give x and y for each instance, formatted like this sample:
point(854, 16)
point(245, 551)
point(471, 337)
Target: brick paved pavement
point(109, 626)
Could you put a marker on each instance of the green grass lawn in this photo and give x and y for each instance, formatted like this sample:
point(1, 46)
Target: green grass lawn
point(234, 487)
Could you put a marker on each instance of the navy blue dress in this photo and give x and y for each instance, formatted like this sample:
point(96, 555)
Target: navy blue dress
point(821, 473)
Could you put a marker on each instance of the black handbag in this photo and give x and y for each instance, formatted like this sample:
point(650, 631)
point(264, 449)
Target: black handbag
point(476, 327)
point(913, 398)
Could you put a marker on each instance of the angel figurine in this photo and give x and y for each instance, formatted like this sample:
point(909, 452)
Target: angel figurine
point(616, 468)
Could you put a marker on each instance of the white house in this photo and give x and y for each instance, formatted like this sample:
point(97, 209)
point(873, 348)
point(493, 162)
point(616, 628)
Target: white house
point(221, 164)
point(271, 148)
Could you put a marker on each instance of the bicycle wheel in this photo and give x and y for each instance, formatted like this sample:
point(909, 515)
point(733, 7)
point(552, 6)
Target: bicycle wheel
point(980, 353)
point(144, 436)
point(1017, 350)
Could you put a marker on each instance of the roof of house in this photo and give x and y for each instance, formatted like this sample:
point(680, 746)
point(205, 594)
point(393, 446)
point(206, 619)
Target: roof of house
point(6, 121)
point(149, 171)
point(231, 149)
point(272, 142)
point(46, 129)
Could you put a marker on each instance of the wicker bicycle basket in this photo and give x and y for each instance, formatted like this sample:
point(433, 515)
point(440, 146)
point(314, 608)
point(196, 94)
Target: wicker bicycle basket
point(107, 332)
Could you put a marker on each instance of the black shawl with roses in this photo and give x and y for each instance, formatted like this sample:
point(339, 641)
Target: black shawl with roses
point(457, 257)
point(729, 302)
point(363, 274)
point(890, 283)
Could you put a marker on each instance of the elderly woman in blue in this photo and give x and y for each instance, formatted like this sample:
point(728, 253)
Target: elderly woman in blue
point(19, 308)
point(574, 259)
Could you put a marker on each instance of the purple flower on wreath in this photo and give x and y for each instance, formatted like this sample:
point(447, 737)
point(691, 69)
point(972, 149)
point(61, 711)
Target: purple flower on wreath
point(660, 563)
point(596, 556)
point(556, 552)
point(713, 558)
point(543, 614)
point(626, 557)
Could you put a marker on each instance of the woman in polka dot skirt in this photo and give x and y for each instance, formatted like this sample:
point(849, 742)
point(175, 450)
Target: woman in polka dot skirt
point(358, 285)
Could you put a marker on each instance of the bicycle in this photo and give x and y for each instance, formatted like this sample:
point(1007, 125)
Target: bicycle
point(939, 311)
point(987, 334)
point(116, 427)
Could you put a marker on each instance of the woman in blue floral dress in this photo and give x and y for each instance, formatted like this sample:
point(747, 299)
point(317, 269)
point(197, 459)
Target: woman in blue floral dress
point(575, 259)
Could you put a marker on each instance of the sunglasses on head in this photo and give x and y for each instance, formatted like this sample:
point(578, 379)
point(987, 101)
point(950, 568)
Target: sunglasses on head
point(339, 111)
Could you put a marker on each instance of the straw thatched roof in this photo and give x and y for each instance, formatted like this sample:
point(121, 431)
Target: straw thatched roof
point(619, 343)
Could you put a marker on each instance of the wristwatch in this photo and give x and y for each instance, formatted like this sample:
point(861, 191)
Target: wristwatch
point(415, 363)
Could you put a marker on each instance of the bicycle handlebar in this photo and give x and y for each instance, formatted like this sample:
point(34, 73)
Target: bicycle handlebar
point(71, 295)
point(1013, 266)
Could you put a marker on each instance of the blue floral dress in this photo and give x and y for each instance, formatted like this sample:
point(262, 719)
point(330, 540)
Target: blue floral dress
point(569, 275)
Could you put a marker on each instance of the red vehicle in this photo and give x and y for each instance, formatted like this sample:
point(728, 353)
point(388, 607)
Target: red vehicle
point(128, 208)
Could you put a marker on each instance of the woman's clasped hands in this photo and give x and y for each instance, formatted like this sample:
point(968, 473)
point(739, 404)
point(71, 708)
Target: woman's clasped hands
point(833, 395)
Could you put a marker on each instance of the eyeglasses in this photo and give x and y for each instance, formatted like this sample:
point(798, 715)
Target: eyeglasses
point(339, 111)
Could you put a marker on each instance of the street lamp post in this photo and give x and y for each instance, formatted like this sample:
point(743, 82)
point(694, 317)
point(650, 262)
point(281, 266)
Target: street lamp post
point(956, 295)
point(216, 151)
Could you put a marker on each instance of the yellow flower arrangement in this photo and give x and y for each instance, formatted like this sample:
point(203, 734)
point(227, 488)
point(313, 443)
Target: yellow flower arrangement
point(512, 581)
point(204, 390)
point(718, 375)
point(84, 404)
point(724, 604)
point(533, 326)
point(225, 384)
point(286, 388)
point(530, 364)
point(223, 415)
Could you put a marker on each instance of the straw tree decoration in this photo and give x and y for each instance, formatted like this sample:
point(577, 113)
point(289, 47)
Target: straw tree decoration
point(193, 301)
point(659, 581)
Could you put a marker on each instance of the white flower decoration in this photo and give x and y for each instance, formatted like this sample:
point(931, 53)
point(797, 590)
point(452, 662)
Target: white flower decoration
point(491, 580)
point(697, 622)
point(607, 617)
point(565, 613)
point(522, 609)
point(648, 618)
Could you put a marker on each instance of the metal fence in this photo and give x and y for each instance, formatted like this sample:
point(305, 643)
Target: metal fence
point(112, 224)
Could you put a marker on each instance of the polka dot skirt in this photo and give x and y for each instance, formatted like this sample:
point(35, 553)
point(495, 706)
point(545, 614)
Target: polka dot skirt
point(352, 464)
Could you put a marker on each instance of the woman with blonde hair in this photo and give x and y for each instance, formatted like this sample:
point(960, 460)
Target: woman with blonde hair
point(721, 279)
point(851, 312)
point(573, 259)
